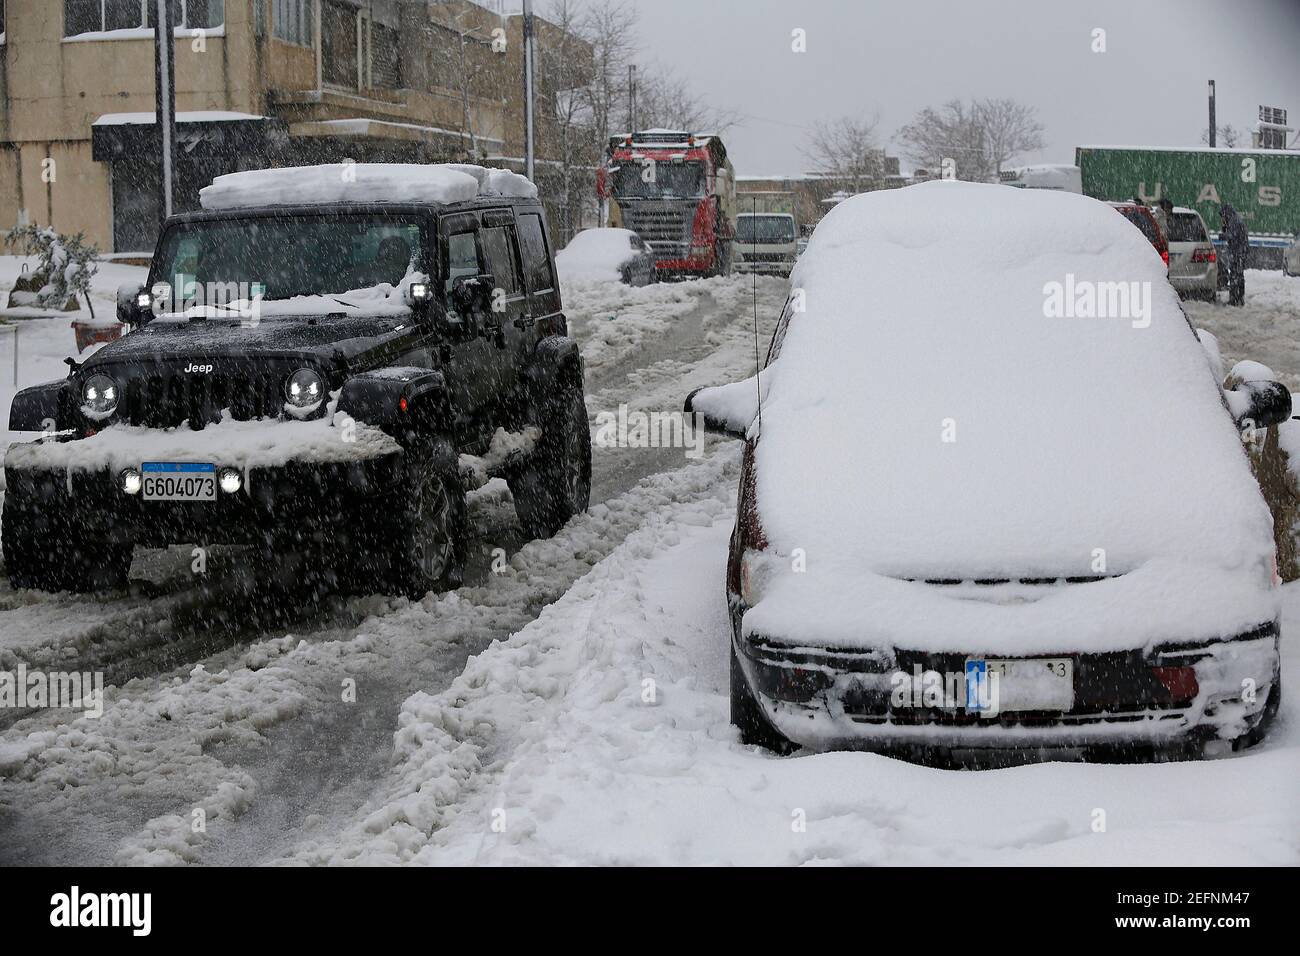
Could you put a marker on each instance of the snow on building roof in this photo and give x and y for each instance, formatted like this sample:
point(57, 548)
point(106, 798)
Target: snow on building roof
point(362, 182)
point(1201, 149)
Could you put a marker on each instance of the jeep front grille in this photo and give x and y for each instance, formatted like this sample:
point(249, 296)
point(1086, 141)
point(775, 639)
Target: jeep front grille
point(167, 400)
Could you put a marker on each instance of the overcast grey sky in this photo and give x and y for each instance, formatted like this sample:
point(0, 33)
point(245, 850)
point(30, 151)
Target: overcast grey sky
point(896, 56)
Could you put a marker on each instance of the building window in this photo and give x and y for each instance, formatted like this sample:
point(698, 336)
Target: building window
point(94, 16)
point(293, 22)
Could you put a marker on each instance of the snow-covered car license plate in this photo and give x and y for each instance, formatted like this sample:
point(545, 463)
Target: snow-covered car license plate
point(178, 481)
point(1035, 683)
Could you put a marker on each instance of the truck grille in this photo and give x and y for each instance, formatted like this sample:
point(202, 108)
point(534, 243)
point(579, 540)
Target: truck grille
point(167, 400)
point(765, 257)
point(665, 225)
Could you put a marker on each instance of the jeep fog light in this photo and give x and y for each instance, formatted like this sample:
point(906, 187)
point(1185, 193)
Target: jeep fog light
point(230, 480)
point(131, 481)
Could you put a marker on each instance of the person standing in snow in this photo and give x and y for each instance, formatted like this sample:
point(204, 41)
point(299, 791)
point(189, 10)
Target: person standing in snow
point(1164, 213)
point(1233, 233)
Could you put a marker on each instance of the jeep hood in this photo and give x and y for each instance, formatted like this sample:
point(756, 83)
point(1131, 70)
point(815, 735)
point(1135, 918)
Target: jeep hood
point(171, 340)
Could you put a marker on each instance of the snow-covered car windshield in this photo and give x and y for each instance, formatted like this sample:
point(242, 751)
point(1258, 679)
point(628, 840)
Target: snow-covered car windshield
point(660, 181)
point(764, 229)
point(214, 263)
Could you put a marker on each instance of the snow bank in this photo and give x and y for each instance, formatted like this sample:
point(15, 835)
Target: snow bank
point(361, 182)
point(930, 419)
point(596, 254)
point(599, 735)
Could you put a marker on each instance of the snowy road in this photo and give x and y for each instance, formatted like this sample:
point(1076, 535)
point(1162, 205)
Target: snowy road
point(235, 706)
point(571, 708)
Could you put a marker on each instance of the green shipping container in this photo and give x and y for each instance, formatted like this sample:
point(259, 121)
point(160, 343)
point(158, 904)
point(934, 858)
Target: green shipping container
point(1263, 185)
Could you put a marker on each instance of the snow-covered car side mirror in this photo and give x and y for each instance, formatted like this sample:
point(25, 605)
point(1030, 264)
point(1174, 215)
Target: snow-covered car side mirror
point(1259, 404)
point(728, 409)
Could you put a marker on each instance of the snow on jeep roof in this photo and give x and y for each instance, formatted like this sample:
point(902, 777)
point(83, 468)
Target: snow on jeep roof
point(932, 415)
point(362, 182)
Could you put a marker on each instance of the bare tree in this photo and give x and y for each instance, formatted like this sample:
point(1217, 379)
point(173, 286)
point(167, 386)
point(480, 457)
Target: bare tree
point(974, 139)
point(610, 28)
point(464, 55)
point(566, 74)
point(847, 151)
point(670, 103)
point(1227, 136)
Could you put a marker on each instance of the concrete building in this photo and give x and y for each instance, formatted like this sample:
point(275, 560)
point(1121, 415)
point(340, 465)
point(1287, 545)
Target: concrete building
point(809, 196)
point(258, 83)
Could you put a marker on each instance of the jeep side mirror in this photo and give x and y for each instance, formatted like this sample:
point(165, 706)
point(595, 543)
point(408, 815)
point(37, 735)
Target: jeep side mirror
point(1259, 404)
point(130, 310)
point(470, 294)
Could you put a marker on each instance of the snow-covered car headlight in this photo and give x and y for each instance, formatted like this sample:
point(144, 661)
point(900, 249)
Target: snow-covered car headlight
point(304, 389)
point(99, 395)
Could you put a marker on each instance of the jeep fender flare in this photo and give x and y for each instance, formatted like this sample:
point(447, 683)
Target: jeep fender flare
point(37, 407)
point(411, 405)
point(556, 362)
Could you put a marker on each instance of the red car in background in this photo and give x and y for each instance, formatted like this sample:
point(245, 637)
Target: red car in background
point(1142, 217)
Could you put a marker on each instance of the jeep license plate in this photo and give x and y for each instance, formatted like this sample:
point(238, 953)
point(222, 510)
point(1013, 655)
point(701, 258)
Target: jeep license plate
point(178, 481)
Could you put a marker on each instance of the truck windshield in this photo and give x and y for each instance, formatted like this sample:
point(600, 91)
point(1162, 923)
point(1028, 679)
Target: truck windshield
point(764, 229)
point(215, 263)
point(634, 180)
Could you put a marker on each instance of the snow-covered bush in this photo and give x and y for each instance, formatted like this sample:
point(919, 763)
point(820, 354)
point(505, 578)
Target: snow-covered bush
point(67, 263)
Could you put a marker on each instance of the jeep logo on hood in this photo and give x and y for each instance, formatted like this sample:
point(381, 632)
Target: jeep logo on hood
point(198, 369)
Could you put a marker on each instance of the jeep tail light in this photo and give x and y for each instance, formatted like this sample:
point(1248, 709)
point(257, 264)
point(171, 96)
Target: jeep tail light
point(1164, 255)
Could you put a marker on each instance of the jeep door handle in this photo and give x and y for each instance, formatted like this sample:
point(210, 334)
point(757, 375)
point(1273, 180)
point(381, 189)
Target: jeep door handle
point(525, 321)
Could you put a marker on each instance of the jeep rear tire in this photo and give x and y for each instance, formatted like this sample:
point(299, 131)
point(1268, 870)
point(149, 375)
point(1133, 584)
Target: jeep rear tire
point(555, 483)
point(46, 551)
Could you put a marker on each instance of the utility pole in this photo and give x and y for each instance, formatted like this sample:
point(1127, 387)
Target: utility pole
point(1214, 129)
point(164, 46)
point(528, 89)
point(631, 98)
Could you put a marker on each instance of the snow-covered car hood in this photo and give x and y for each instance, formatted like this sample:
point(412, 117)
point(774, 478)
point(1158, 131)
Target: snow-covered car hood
point(928, 418)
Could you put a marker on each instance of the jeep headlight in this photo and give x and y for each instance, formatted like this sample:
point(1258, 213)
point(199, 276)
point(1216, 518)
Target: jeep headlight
point(99, 395)
point(304, 389)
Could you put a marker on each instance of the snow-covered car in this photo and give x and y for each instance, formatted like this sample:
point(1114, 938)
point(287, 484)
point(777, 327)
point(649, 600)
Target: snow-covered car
point(1193, 263)
point(995, 514)
point(312, 356)
point(612, 255)
point(1291, 258)
point(1142, 217)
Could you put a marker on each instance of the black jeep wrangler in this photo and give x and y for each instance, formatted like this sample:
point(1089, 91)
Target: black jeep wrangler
point(317, 402)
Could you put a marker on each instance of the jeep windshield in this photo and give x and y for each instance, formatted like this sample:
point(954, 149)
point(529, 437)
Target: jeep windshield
point(302, 264)
point(636, 180)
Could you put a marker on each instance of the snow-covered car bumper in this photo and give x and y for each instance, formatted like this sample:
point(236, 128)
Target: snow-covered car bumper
point(826, 699)
point(304, 474)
